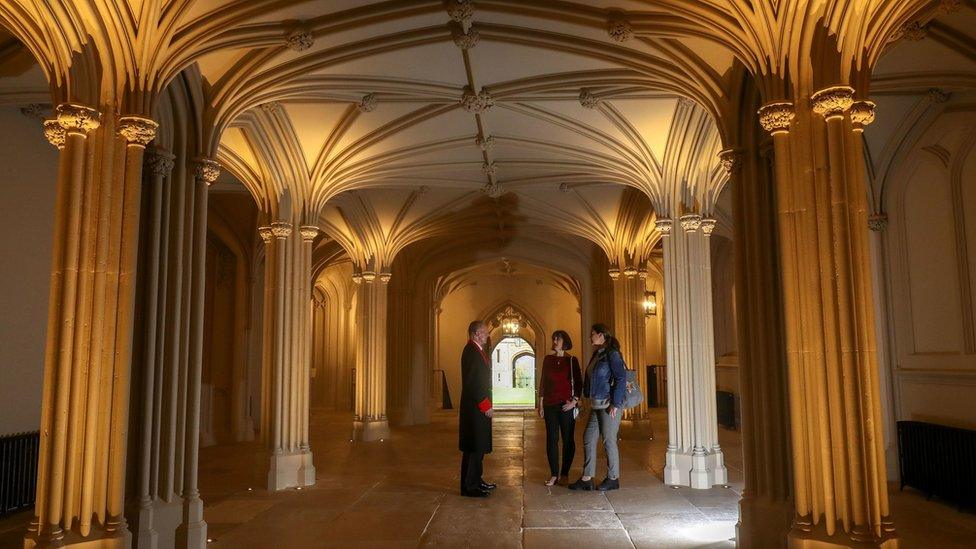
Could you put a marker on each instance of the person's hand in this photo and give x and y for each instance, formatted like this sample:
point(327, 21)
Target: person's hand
point(489, 412)
point(569, 405)
point(612, 411)
point(542, 413)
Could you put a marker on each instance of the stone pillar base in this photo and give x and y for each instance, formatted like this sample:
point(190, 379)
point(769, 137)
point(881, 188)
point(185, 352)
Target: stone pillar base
point(815, 537)
point(306, 474)
point(368, 431)
point(154, 524)
point(696, 471)
point(95, 540)
point(287, 471)
point(762, 523)
point(192, 533)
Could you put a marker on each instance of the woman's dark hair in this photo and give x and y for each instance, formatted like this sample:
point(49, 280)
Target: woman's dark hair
point(611, 342)
point(567, 342)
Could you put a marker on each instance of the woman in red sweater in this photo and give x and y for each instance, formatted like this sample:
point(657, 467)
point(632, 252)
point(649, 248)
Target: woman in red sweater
point(559, 393)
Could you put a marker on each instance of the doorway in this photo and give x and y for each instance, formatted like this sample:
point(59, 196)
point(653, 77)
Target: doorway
point(513, 373)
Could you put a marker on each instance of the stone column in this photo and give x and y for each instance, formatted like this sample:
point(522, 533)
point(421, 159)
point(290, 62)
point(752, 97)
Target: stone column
point(765, 509)
point(158, 167)
point(840, 493)
point(628, 325)
point(370, 421)
point(694, 457)
point(84, 418)
point(192, 531)
point(878, 224)
point(288, 313)
point(303, 297)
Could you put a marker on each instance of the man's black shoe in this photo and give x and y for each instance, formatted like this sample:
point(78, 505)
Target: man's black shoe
point(609, 484)
point(488, 486)
point(477, 493)
point(581, 484)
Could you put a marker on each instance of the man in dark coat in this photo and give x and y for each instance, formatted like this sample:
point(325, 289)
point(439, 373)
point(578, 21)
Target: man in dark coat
point(475, 412)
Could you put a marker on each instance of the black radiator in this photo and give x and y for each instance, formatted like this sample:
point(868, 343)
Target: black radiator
point(18, 471)
point(938, 460)
point(725, 409)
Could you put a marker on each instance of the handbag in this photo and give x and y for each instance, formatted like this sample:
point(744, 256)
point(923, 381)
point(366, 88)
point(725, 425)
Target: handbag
point(633, 395)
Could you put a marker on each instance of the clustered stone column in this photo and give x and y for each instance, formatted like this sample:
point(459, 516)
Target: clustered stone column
point(169, 510)
point(694, 457)
point(370, 421)
point(838, 463)
point(81, 470)
point(287, 343)
point(765, 509)
point(628, 325)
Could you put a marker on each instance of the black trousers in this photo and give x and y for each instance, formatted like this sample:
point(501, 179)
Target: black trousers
point(559, 424)
point(472, 464)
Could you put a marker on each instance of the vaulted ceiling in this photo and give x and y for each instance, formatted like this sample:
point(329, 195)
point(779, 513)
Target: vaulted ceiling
point(388, 123)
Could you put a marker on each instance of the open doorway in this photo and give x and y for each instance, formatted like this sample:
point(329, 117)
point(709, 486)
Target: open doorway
point(513, 373)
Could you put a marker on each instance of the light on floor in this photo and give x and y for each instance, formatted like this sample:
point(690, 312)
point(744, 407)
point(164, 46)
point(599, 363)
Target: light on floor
point(210, 540)
point(298, 488)
point(713, 531)
point(250, 489)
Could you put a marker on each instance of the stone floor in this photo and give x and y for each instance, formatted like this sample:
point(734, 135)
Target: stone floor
point(403, 493)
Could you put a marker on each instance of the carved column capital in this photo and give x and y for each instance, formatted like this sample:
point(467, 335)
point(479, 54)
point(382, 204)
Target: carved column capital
point(614, 273)
point(207, 170)
point(862, 114)
point(266, 234)
point(77, 119)
point(385, 277)
point(690, 222)
point(731, 161)
point(357, 277)
point(54, 133)
point(281, 229)
point(137, 130)
point(642, 273)
point(159, 163)
point(630, 271)
point(369, 276)
point(708, 225)
point(776, 117)
point(878, 222)
point(664, 226)
point(309, 232)
point(832, 102)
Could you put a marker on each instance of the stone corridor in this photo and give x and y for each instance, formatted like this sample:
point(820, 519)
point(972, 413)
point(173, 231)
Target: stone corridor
point(403, 493)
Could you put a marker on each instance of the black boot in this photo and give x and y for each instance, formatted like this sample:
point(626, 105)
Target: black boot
point(609, 484)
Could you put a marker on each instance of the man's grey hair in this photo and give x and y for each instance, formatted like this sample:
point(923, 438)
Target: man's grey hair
point(474, 327)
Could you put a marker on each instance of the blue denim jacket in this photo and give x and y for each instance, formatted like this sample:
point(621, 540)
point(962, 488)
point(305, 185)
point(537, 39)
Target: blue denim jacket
point(609, 365)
